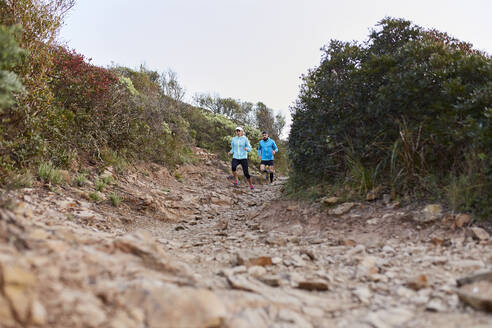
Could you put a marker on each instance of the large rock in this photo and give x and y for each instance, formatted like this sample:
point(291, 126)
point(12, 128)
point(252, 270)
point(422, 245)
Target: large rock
point(18, 284)
point(249, 259)
point(478, 233)
point(390, 318)
point(317, 284)
point(429, 213)
point(329, 201)
point(175, 307)
point(6, 315)
point(342, 209)
point(462, 220)
point(142, 245)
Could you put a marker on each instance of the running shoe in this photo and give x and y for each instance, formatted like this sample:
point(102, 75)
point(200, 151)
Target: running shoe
point(252, 187)
point(235, 184)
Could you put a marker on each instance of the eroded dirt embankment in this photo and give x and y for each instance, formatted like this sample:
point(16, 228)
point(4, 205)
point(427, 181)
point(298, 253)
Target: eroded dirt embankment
point(200, 253)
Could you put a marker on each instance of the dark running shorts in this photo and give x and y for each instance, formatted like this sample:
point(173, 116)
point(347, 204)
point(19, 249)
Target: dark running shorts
point(269, 163)
point(244, 165)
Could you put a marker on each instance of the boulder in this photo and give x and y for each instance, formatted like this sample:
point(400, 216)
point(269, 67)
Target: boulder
point(429, 213)
point(342, 209)
point(462, 220)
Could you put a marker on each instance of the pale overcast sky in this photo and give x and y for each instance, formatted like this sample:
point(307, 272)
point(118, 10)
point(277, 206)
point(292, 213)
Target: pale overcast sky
point(253, 50)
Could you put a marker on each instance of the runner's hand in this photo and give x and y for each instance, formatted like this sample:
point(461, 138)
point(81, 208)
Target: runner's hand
point(273, 152)
point(229, 153)
point(246, 148)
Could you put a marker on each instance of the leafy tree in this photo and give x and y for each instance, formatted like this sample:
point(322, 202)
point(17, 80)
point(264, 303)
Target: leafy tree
point(10, 54)
point(24, 125)
point(389, 110)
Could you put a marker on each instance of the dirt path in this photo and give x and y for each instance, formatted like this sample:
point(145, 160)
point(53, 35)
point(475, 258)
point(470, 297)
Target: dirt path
point(193, 251)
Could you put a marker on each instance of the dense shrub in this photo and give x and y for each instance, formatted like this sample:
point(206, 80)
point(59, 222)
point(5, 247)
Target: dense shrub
point(10, 54)
point(406, 109)
point(24, 124)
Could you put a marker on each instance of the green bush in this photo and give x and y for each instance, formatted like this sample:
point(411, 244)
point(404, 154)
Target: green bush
point(115, 199)
point(404, 109)
point(49, 174)
point(94, 196)
point(80, 180)
point(25, 125)
point(19, 180)
point(10, 55)
point(100, 185)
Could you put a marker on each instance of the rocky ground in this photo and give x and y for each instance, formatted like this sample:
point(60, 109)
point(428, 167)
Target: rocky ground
point(189, 250)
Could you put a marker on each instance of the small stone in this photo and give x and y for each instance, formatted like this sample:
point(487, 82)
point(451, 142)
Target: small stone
point(356, 250)
point(291, 208)
point(222, 224)
point(20, 300)
point(436, 305)
point(38, 313)
point(395, 317)
point(276, 240)
point(15, 275)
point(479, 233)
point(6, 316)
point(388, 249)
point(250, 260)
point(373, 194)
point(417, 283)
point(363, 294)
point(386, 198)
point(368, 266)
point(348, 242)
point(309, 253)
point(429, 213)
point(462, 220)
point(256, 271)
point(276, 260)
point(273, 281)
point(341, 209)
point(319, 285)
point(468, 264)
point(330, 200)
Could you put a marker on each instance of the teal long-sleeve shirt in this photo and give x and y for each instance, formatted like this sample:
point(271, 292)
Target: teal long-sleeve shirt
point(266, 148)
point(237, 147)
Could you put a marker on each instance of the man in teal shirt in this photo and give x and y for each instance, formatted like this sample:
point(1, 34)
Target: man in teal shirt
point(240, 147)
point(266, 151)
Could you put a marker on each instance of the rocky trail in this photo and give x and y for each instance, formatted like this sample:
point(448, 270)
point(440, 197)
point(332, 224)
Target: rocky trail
point(189, 250)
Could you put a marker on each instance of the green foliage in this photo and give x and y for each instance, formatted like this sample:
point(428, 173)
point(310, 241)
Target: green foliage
point(10, 54)
point(391, 109)
point(23, 126)
point(73, 111)
point(115, 199)
point(94, 196)
point(49, 174)
point(80, 180)
point(19, 180)
point(107, 179)
point(100, 185)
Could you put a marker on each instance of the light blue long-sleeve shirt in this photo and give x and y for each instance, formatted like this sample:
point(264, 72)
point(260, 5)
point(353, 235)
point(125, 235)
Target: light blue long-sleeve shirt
point(237, 147)
point(266, 148)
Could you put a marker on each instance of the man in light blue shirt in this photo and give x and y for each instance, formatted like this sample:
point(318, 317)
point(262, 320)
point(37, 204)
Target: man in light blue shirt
point(240, 147)
point(266, 151)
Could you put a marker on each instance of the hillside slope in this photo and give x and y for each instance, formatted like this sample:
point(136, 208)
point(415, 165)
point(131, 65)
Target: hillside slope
point(189, 250)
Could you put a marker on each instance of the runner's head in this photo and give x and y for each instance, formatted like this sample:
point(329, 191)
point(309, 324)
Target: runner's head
point(239, 131)
point(265, 135)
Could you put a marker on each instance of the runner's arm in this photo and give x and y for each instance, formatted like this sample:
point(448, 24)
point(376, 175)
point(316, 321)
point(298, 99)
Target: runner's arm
point(275, 147)
point(248, 145)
